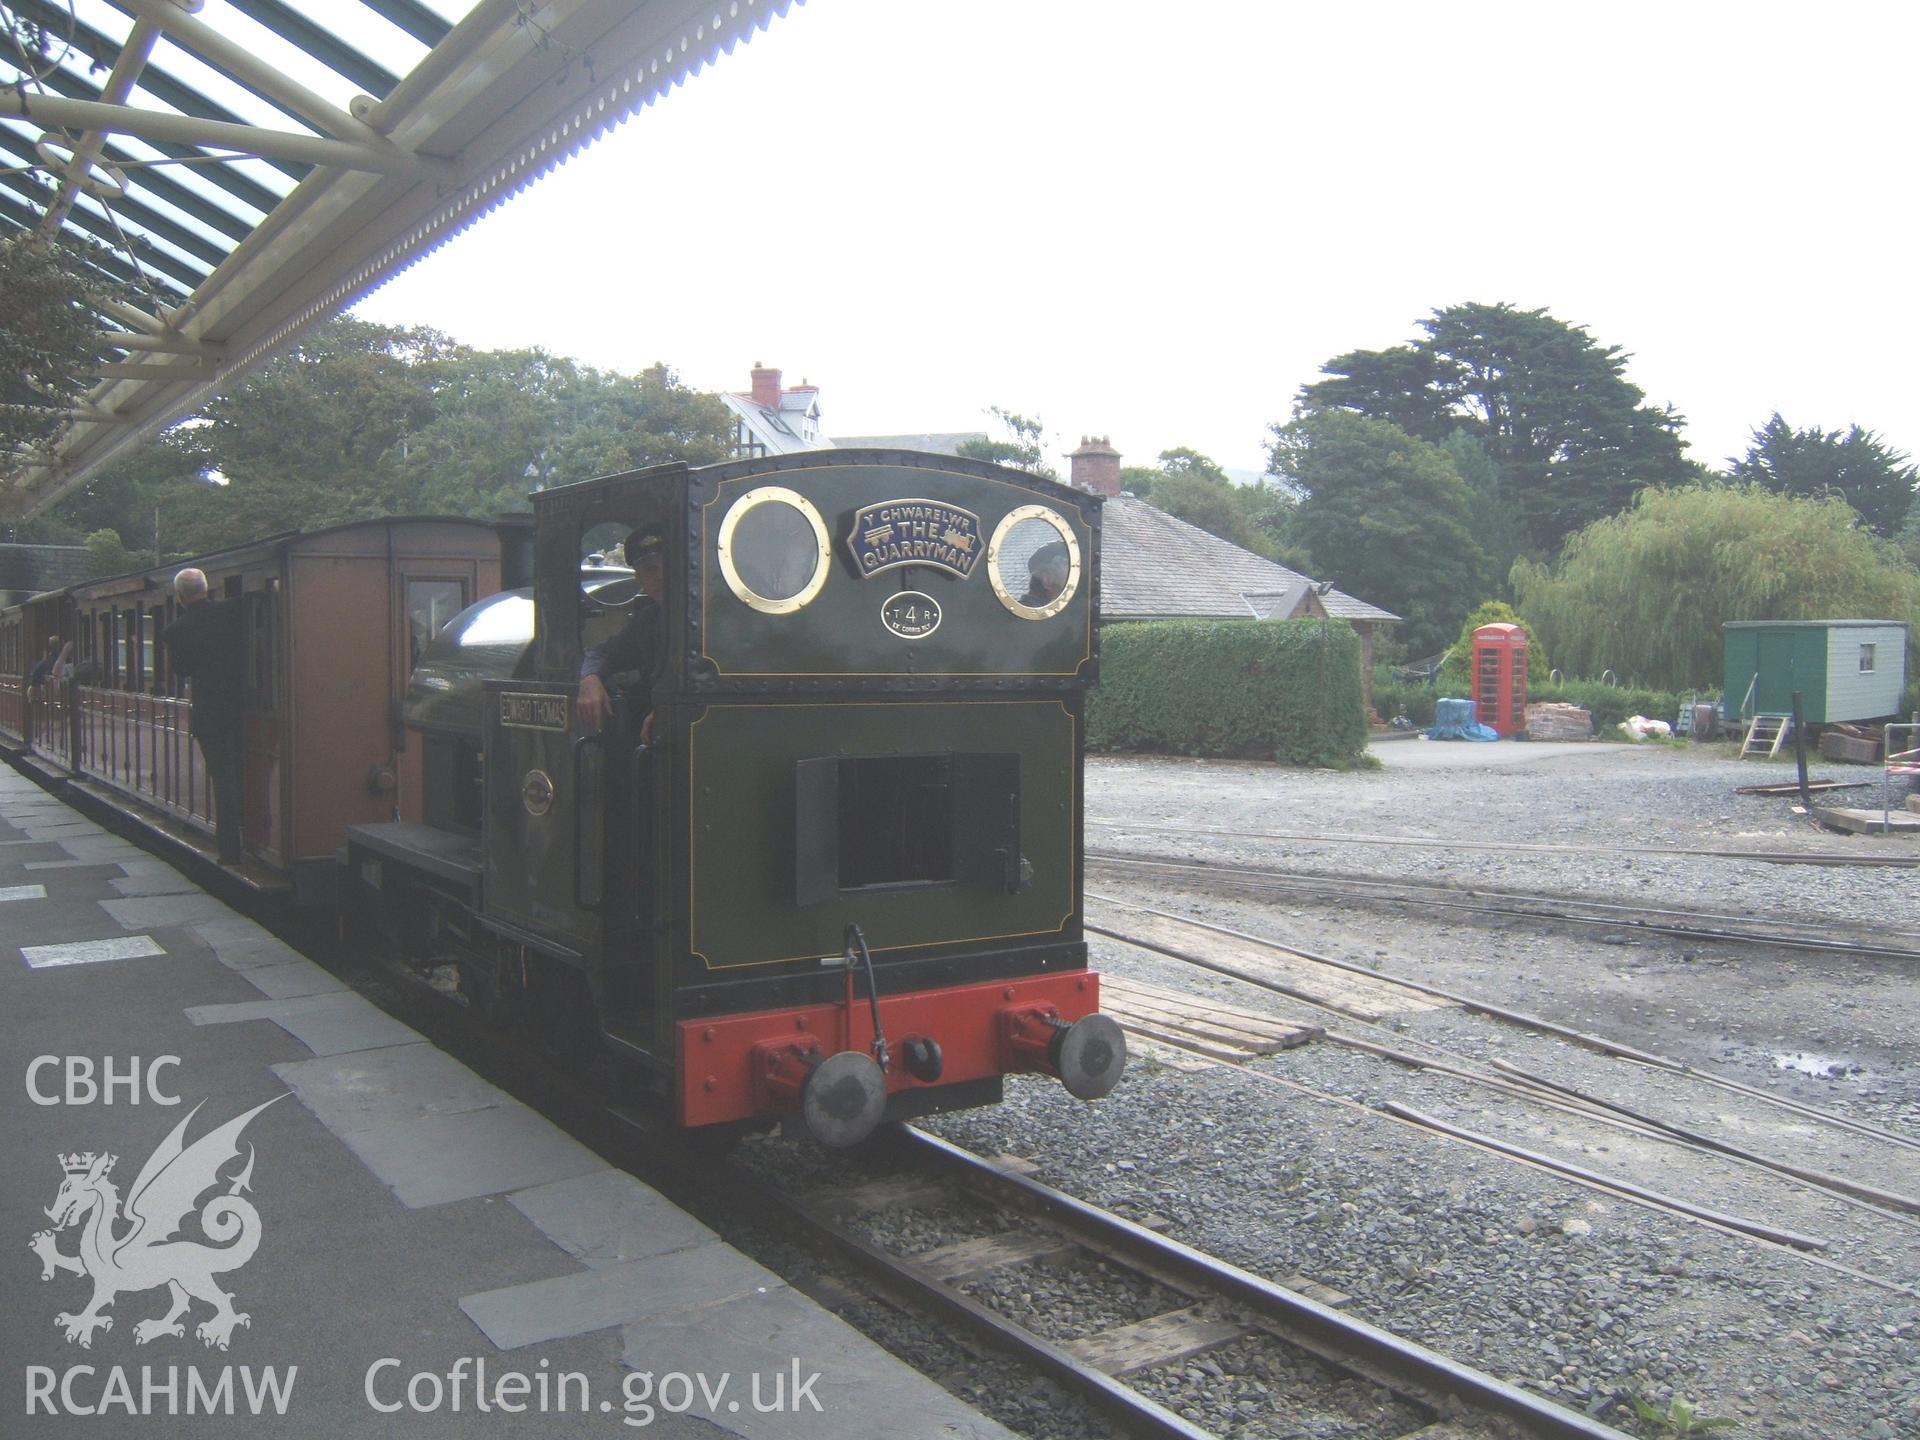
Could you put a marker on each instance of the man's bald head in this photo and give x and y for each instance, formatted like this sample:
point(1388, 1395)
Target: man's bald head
point(190, 585)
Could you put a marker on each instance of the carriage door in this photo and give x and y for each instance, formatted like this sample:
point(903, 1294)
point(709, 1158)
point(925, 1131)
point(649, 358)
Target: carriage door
point(545, 816)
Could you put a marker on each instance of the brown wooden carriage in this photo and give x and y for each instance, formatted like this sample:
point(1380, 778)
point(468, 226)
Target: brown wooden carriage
point(333, 621)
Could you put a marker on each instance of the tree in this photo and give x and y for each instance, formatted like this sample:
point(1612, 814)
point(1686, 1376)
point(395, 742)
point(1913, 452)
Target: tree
point(1022, 449)
point(1456, 675)
point(1646, 592)
point(364, 420)
point(1384, 515)
point(106, 555)
point(1860, 469)
point(1192, 487)
point(50, 350)
point(1495, 523)
point(1571, 437)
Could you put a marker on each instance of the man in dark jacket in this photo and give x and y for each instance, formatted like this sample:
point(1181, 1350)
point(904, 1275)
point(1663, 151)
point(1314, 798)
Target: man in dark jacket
point(636, 648)
point(46, 672)
point(205, 645)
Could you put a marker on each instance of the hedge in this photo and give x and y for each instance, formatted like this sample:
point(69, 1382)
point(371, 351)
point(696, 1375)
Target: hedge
point(1246, 689)
point(1610, 704)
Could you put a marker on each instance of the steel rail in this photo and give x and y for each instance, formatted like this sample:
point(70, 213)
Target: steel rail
point(1345, 1341)
point(1762, 857)
point(1546, 908)
point(1134, 1412)
point(1362, 880)
point(1523, 1084)
point(1521, 1018)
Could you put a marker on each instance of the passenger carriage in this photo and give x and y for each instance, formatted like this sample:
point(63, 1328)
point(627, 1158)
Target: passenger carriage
point(332, 623)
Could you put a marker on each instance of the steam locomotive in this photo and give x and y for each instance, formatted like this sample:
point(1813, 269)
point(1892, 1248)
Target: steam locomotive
point(829, 873)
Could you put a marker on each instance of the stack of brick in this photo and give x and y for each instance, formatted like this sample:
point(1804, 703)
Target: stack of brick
point(1547, 721)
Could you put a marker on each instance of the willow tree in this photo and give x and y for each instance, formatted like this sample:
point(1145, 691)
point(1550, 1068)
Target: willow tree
point(1645, 592)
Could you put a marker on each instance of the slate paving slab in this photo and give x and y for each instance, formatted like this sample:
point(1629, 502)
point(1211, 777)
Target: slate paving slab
point(608, 1218)
point(632, 1291)
point(441, 1158)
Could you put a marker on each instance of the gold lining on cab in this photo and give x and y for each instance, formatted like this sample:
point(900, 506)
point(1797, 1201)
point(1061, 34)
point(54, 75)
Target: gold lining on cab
point(1061, 528)
point(823, 552)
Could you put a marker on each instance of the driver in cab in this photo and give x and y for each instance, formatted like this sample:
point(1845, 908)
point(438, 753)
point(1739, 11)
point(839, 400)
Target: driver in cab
point(636, 646)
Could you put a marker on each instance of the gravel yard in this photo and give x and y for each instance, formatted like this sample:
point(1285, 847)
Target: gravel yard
point(1280, 1165)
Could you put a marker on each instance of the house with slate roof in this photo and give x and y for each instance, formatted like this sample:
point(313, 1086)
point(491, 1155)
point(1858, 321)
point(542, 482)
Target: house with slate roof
point(1152, 566)
point(772, 419)
point(1156, 567)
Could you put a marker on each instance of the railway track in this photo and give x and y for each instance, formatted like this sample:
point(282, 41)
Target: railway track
point(1682, 924)
point(1131, 1372)
point(1352, 1000)
point(1527, 847)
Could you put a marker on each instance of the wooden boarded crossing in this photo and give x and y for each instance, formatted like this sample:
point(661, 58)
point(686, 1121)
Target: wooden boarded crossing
point(1364, 997)
point(1194, 1023)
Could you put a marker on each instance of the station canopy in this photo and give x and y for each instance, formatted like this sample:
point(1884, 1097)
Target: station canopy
point(245, 168)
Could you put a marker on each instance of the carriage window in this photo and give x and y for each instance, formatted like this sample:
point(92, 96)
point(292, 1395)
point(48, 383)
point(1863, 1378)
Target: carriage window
point(118, 674)
point(430, 605)
point(773, 550)
point(262, 640)
point(1033, 562)
point(1866, 659)
point(149, 630)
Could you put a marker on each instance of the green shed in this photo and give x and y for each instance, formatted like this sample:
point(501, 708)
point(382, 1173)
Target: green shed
point(1843, 669)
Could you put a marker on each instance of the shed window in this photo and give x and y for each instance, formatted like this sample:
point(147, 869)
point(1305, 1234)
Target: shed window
point(1866, 659)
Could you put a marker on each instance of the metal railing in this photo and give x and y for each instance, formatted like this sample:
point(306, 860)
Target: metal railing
point(140, 743)
point(13, 706)
point(1904, 761)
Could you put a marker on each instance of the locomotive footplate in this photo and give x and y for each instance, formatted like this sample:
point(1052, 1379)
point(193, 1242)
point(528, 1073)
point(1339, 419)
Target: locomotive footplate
point(777, 1063)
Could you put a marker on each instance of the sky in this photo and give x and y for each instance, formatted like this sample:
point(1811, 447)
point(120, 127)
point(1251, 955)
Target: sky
point(1155, 222)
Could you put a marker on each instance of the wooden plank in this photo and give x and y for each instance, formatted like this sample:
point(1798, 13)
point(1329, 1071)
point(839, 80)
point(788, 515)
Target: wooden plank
point(1361, 996)
point(1183, 1042)
point(1250, 1022)
point(1849, 750)
point(1868, 822)
point(1263, 1036)
point(1162, 1340)
point(1225, 1019)
point(964, 1259)
point(1324, 1294)
point(1791, 788)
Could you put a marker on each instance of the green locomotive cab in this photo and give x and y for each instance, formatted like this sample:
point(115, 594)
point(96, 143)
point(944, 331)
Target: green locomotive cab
point(828, 870)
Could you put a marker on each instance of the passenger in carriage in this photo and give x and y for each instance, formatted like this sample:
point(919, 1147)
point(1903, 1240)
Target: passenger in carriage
point(205, 645)
point(52, 668)
point(635, 648)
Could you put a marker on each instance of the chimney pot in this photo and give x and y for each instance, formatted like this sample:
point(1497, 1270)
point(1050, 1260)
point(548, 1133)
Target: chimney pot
point(766, 385)
point(1095, 466)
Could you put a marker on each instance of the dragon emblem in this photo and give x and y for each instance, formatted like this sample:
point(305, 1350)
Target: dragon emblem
point(134, 1248)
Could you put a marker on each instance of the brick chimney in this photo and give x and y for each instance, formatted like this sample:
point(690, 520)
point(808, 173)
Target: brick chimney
point(766, 385)
point(1095, 466)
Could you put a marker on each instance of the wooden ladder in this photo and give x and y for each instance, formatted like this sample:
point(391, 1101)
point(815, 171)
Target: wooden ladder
point(1766, 734)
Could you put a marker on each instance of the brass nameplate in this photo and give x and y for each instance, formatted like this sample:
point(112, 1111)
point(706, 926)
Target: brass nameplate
point(914, 532)
point(533, 712)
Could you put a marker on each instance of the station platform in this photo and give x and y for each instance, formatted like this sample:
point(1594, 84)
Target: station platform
point(412, 1252)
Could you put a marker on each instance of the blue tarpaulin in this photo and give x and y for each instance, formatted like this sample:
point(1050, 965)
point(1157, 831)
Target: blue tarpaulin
point(1453, 720)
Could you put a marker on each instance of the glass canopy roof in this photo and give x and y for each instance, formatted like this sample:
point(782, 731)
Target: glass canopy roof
point(245, 168)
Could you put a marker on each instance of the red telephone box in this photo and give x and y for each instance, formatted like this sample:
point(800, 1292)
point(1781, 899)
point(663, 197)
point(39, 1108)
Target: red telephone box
point(1500, 678)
